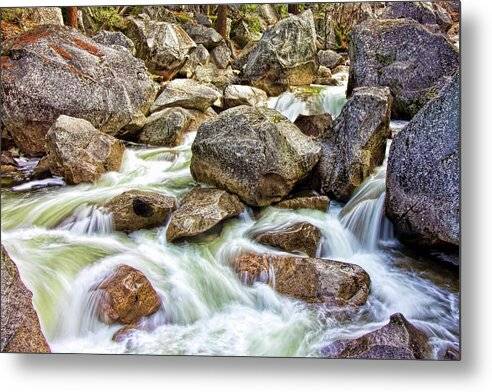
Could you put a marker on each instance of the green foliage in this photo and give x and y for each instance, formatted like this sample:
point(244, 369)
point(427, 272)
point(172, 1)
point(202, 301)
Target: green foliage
point(248, 8)
point(108, 18)
point(253, 23)
point(12, 14)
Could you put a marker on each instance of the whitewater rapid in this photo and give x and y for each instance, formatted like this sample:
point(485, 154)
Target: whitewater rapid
point(63, 245)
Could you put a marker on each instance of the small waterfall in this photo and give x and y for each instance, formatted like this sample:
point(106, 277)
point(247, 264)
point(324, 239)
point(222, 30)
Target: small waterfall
point(88, 220)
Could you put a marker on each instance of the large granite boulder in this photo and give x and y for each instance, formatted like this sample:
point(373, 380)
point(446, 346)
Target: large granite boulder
point(423, 174)
point(125, 296)
point(253, 152)
point(404, 56)
point(163, 46)
point(399, 339)
point(56, 70)
point(186, 93)
point(168, 127)
point(422, 12)
point(136, 210)
point(202, 35)
point(329, 282)
point(236, 95)
point(355, 144)
point(302, 237)
point(79, 152)
point(115, 39)
point(201, 210)
point(285, 56)
point(20, 328)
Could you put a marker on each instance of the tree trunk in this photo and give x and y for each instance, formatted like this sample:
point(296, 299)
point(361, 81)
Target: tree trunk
point(72, 19)
point(293, 9)
point(221, 23)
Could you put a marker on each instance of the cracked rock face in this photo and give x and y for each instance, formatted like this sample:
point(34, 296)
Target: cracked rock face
point(329, 282)
point(423, 174)
point(78, 152)
point(201, 210)
point(55, 70)
point(256, 153)
point(403, 55)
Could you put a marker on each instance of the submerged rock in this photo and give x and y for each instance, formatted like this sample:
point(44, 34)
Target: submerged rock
point(253, 152)
point(355, 144)
point(403, 55)
point(399, 339)
point(329, 282)
point(20, 328)
point(312, 201)
point(125, 296)
point(300, 237)
point(236, 95)
point(316, 126)
point(200, 210)
point(423, 174)
point(79, 152)
point(186, 93)
point(55, 70)
point(135, 210)
point(285, 56)
point(163, 46)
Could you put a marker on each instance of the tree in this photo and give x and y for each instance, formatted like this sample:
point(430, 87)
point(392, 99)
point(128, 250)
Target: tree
point(72, 19)
point(293, 8)
point(221, 23)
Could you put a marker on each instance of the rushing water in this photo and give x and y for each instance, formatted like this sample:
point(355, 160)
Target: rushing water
point(64, 245)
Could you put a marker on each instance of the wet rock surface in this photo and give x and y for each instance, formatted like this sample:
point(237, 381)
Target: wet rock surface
point(316, 126)
point(20, 328)
point(312, 201)
point(301, 237)
point(80, 153)
point(125, 296)
point(355, 144)
point(404, 56)
point(135, 210)
point(255, 153)
point(201, 210)
point(329, 282)
point(54, 70)
point(399, 339)
point(423, 185)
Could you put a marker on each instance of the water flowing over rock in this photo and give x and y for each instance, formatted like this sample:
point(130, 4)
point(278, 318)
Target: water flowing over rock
point(20, 328)
point(423, 175)
point(56, 70)
point(79, 152)
point(186, 93)
point(163, 46)
point(421, 12)
point(115, 39)
point(329, 58)
point(403, 55)
point(255, 153)
point(125, 296)
point(135, 210)
point(300, 237)
point(285, 56)
point(200, 210)
point(332, 283)
point(316, 126)
point(356, 143)
point(399, 339)
point(236, 95)
point(312, 201)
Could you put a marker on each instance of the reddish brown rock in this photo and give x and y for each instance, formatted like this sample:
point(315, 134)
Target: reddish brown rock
point(20, 328)
point(329, 282)
point(315, 126)
point(317, 202)
point(126, 296)
point(300, 237)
